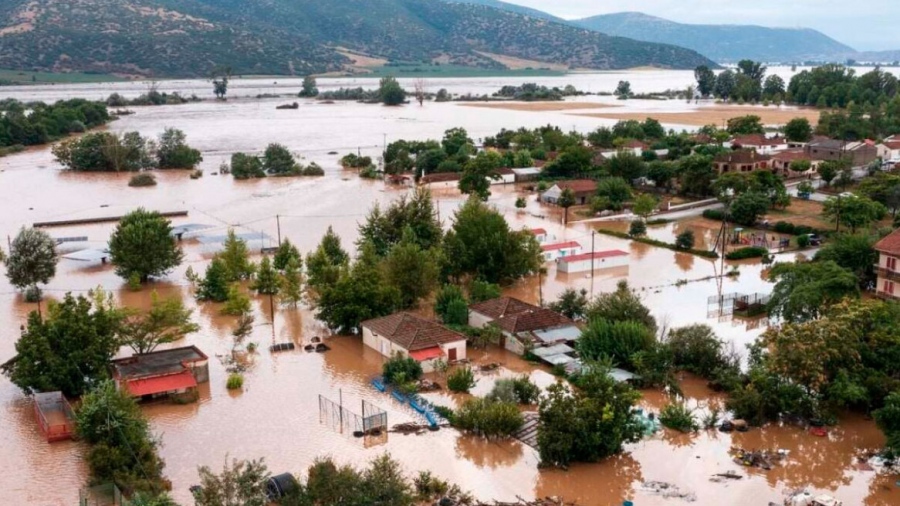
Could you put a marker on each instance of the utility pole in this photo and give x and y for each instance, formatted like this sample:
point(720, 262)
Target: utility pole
point(278, 222)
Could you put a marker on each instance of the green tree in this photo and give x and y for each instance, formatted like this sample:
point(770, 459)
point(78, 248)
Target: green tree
point(853, 212)
point(696, 174)
point(696, 349)
point(390, 92)
point(324, 265)
point(644, 205)
point(412, 270)
point(798, 130)
point(748, 207)
point(588, 423)
point(172, 151)
point(167, 321)
point(32, 259)
point(266, 282)
point(361, 292)
point(481, 244)
point(386, 228)
point(706, 80)
point(883, 188)
point(291, 289)
point(480, 291)
point(461, 380)
point(309, 88)
point(828, 170)
point(637, 228)
point(571, 162)
point(685, 240)
point(571, 304)
point(285, 254)
point(214, 285)
point(244, 166)
point(70, 349)
point(236, 258)
point(855, 252)
point(804, 290)
point(105, 151)
point(456, 312)
point(744, 125)
point(888, 420)
point(618, 341)
point(661, 173)
point(774, 88)
point(122, 449)
point(616, 189)
point(143, 246)
point(627, 166)
point(623, 90)
point(488, 418)
point(278, 161)
point(445, 296)
point(521, 203)
point(478, 173)
point(621, 305)
point(237, 303)
point(725, 84)
point(242, 483)
point(566, 200)
point(219, 78)
point(455, 139)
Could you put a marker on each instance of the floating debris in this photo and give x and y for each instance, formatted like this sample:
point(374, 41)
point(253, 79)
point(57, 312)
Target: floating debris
point(546, 501)
point(493, 366)
point(410, 428)
point(427, 386)
point(730, 475)
point(667, 490)
point(757, 458)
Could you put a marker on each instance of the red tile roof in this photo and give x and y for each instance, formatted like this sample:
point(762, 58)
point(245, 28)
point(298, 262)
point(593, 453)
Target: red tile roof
point(791, 155)
point(411, 332)
point(161, 384)
point(757, 140)
point(440, 177)
point(892, 144)
point(427, 354)
point(890, 244)
point(558, 246)
point(635, 144)
point(578, 185)
point(515, 316)
point(538, 231)
point(597, 254)
point(741, 156)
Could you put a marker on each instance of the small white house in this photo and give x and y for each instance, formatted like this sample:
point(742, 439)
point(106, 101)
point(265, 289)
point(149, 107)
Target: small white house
point(540, 234)
point(526, 174)
point(506, 176)
point(601, 260)
point(559, 250)
point(407, 334)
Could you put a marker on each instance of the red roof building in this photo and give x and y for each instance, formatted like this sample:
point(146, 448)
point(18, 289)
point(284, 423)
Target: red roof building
point(166, 373)
point(413, 336)
point(888, 269)
point(597, 260)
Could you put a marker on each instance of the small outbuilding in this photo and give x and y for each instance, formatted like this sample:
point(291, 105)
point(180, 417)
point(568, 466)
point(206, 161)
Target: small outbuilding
point(524, 326)
point(168, 373)
point(54, 416)
point(596, 260)
point(559, 250)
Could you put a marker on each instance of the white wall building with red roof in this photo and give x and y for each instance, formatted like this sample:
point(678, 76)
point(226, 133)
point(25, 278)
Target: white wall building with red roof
point(597, 260)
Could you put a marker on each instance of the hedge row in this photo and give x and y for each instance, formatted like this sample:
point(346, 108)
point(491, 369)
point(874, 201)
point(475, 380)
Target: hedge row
point(748, 252)
point(782, 227)
point(661, 244)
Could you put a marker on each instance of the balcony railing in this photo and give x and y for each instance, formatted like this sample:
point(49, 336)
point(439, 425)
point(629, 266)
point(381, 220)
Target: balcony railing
point(881, 272)
point(886, 296)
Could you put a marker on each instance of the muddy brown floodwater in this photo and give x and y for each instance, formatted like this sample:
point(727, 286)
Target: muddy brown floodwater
point(276, 415)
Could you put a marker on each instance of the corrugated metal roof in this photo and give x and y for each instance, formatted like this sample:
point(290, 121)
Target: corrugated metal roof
point(88, 255)
point(567, 333)
point(559, 359)
point(552, 350)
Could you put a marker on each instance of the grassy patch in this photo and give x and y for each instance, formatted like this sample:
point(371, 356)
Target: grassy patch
point(660, 244)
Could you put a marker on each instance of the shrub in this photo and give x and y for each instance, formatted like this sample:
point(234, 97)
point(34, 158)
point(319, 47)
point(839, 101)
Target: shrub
point(677, 416)
point(748, 252)
point(481, 291)
point(461, 380)
point(457, 313)
point(519, 390)
point(685, 240)
point(401, 365)
point(637, 228)
point(488, 418)
point(803, 240)
point(714, 214)
point(697, 349)
point(784, 227)
point(313, 169)
point(618, 340)
point(142, 179)
point(235, 381)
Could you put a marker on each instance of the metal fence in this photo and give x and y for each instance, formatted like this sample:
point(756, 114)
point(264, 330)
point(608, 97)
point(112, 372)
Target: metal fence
point(340, 419)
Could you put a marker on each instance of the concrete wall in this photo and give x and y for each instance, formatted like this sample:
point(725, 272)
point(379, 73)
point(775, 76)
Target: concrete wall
point(200, 370)
point(380, 344)
point(599, 263)
point(459, 346)
point(513, 344)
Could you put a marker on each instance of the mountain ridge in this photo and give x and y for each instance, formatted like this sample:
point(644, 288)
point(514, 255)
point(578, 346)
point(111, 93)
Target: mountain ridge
point(186, 38)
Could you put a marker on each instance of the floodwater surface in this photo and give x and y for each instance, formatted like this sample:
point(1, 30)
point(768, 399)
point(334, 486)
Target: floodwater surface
point(276, 415)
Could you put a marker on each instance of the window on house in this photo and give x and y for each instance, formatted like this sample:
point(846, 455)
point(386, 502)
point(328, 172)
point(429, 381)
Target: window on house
point(889, 287)
point(892, 263)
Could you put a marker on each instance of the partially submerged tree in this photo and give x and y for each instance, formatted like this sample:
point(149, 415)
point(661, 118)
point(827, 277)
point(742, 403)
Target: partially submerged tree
point(32, 260)
point(214, 285)
point(324, 265)
point(142, 246)
point(241, 483)
point(804, 290)
point(266, 282)
point(236, 258)
point(291, 289)
point(166, 321)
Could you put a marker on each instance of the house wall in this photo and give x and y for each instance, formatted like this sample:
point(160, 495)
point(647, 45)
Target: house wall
point(459, 346)
point(599, 263)
point(552, 255)
point(504, 179)
point(381, 345)
point(513, 344)
point(200, 370)
point(888, 283)
point(552, 195)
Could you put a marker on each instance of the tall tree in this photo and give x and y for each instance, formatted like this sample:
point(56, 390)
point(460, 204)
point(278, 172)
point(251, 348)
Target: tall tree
point(804, 290)
point(798, 130)
point(390, 92)
point(621, 305)
point(214, 285)
point(309, 88)
point(32, 259)
point(725, 84)
point(386, 228)
point(565, 201)
point(478, 173)
point(324, 265)
point(752, 69)
point(853, 211)
point(291, 290)
point(142, 246)
point(277, 160)
point(172, 151)
point(236, 258)
point(219, 78)
point(286, 253)
point(242, 483)
point(412, 270)
point(69, 349)
point(855, 252)
point(266, 282)
point(167, 321)
point(706, 80)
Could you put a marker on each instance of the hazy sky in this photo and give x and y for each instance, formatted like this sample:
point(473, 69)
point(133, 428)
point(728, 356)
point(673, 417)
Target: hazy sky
point(861, 24)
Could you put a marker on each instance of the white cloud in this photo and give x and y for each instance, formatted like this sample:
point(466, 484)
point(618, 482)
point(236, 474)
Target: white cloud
point(864, 25)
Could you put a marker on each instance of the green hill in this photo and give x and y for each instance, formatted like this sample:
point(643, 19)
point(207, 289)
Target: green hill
point(724, 43)
point(181, 38)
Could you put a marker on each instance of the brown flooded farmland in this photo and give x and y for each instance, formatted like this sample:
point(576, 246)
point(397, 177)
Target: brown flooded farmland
point(277, 417)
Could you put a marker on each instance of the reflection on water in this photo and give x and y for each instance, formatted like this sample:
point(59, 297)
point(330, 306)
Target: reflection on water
point(276, 414)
